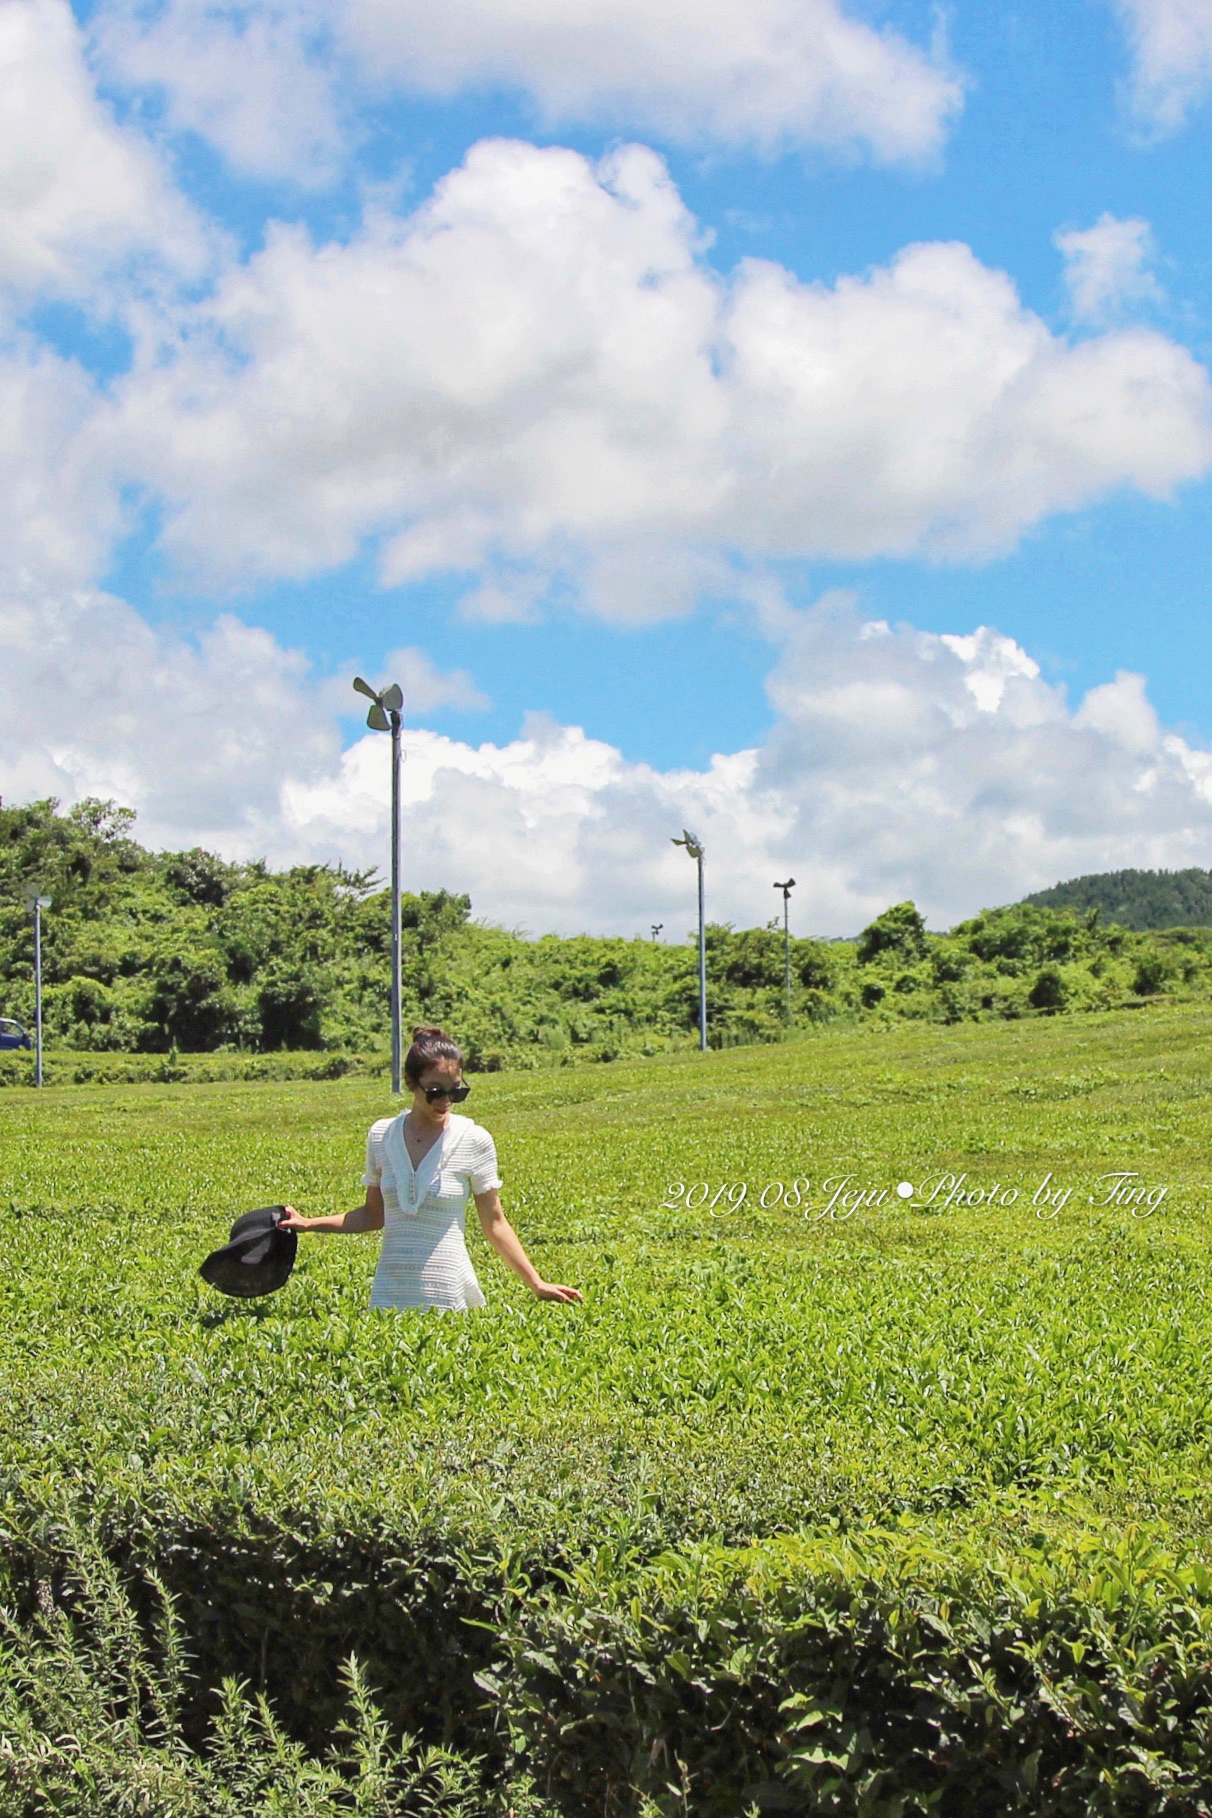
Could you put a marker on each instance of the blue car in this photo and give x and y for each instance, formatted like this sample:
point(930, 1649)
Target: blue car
point(12, 1035)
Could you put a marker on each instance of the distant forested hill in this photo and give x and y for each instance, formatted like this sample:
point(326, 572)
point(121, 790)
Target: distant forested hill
point(1137, 899)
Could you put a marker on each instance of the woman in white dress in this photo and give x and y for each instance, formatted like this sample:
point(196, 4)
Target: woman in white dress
point(421, 1168)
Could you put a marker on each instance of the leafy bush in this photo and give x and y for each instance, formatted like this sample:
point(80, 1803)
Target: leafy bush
point(146, 952)
point(1048, 992)
point(94, 1687)
point(877, 1675)
point(899, 930)
point(1152, 973)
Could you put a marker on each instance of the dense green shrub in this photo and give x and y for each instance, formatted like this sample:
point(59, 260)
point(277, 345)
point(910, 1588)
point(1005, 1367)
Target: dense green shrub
point(872, 1677)
point(95, 1691)
point(1152, 972)
point(899, 930)
point(1048, 992)
point(148, 952)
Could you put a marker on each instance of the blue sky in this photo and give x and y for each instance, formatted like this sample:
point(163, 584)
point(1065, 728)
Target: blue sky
point(704, 379)
point(1044, 142)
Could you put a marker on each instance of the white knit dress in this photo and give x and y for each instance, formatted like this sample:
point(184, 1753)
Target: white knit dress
point(423, 1260)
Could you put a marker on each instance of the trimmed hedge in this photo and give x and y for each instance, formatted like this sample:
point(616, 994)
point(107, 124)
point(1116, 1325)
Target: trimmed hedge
point(94, 1685)
point(65, 1068)
point(874, 1674)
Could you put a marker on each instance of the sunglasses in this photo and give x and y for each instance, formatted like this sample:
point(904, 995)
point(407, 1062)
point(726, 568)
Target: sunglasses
point(456, 1094)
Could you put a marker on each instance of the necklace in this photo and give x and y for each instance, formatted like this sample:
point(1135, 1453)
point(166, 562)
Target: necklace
point(420, 1140)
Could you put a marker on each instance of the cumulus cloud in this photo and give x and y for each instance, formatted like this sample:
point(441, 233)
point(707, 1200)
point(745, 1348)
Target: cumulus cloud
point(264, 81)
point(83, 197)
point(1122, 712)
point(1171, 44)
point(922, 409)
point(523, 359)
point(553, 831)
point(902, 764)
point(90, 219)
point(60, 505)
point(763, 73)
point(198, 735)
point(1107, 267)
point(945, 768)
point(536, 376)
point(256, 81)
point(428, 689)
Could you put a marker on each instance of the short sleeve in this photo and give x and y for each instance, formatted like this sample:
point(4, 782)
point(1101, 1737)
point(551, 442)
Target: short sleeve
point(374, 1163)
point(482, 1163)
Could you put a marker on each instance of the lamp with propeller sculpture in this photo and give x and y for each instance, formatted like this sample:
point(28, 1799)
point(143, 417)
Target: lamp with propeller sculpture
point(787, 887)
point(384, 716)
point(695, 848)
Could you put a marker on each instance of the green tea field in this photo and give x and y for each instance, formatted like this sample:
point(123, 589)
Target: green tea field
point(872, 1475)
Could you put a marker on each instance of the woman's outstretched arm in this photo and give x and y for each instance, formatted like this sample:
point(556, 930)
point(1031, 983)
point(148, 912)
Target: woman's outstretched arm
point(366, 1217)
point(508, 1245)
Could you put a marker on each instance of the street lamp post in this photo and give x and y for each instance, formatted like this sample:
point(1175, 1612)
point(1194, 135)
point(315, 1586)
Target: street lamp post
point(38, 904)
point(786, 889)
point(384, 716)
point(695, 848)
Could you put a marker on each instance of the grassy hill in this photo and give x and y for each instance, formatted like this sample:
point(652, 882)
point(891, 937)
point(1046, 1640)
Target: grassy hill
point(847, 1500)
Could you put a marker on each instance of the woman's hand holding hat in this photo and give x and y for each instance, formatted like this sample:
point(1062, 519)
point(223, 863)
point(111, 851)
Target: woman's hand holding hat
point(256, 1259)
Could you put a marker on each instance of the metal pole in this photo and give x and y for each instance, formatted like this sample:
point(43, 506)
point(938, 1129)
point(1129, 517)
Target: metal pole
point(396, 1043)
point(695, 848)
point(38, 989)
point(786, 889)
point(384, 716)
point(702, 964)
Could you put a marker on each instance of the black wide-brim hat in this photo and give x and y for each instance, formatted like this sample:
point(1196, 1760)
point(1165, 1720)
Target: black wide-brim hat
point(257, 1258)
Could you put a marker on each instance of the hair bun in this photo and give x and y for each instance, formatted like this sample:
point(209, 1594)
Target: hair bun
point(431, 1047)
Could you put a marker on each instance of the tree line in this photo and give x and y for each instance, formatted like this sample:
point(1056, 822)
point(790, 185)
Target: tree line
point(147, 952)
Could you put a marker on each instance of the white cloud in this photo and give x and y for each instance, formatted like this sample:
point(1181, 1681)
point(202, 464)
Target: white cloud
point(59, 501)
point(552, 831)
point(522, 361)
point(89, 218)
point(922, 408)
point(1122, 712)
point(537, 377)
point(427, 689)
point(199, 736)
point(764, 73)
point(1171, 43)
point(1106, 267)
point(502, 599)
point(256, 81)
point(264, 81)
point(82, 196)
point(946, 769)
point(902, 764)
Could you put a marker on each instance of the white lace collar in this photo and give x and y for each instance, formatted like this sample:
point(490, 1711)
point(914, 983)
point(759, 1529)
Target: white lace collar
point(414, 1183)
